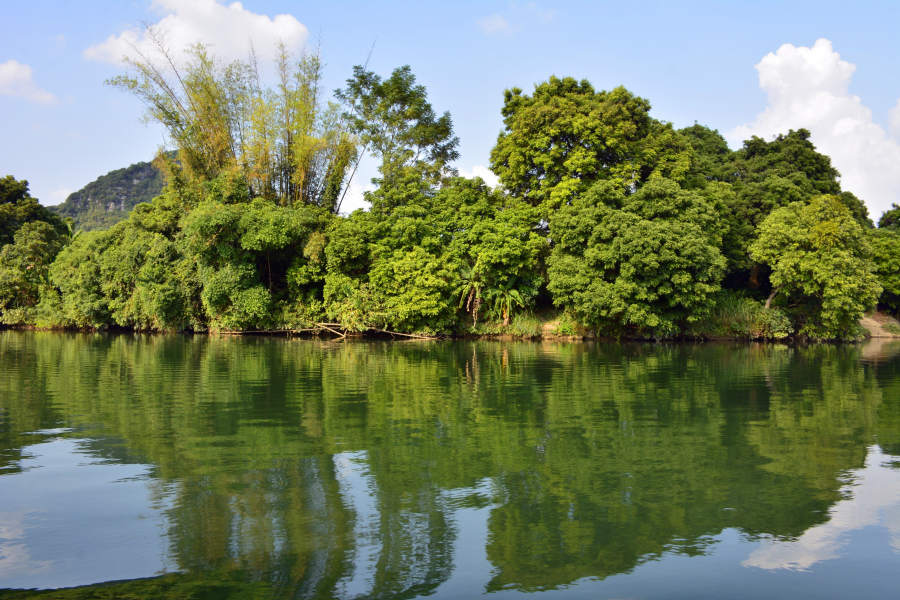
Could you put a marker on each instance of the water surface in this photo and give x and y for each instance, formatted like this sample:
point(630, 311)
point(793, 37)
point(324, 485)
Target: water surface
point(265, 467)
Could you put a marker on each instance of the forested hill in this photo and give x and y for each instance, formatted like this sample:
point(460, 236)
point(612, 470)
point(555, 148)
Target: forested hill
point(108, 200)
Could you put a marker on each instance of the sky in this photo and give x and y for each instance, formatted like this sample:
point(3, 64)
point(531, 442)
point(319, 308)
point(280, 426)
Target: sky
point(743, 68)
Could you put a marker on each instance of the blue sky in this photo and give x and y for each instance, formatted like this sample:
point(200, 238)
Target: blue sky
point(61, 127)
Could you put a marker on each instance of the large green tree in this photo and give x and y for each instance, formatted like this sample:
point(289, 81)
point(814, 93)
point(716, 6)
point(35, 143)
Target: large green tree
point(821, 265)
point(644, 262)
point(246, 252)
point(397, 124)
point(560, 140)
point(765, 176)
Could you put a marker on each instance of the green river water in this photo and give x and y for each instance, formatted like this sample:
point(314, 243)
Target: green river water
point(255, 467)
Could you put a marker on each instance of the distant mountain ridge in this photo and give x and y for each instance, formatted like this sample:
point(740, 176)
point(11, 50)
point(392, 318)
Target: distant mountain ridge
point(108, 200)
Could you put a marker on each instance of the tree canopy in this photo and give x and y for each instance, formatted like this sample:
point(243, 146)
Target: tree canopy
point(559, 141)
point(17, 208)
point(605, 219)
point(821, 260)
point(394, 120)
point(645, 261)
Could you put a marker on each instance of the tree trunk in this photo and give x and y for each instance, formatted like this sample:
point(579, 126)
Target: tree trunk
point(772, 296)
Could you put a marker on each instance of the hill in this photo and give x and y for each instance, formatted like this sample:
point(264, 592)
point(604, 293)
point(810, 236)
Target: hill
point(107, 200)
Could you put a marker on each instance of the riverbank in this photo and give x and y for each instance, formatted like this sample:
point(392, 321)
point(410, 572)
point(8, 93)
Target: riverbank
point(551, 326)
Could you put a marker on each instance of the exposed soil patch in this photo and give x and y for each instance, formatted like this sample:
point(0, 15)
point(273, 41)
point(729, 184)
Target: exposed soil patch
point(875, 324)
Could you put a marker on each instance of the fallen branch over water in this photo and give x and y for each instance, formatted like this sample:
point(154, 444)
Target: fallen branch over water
point(334, 328)
point(410, 335)
point(334, 331)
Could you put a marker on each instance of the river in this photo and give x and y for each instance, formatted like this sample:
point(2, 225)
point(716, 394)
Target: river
point(261, 467)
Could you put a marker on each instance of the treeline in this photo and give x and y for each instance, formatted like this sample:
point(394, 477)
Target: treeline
point(606, 220)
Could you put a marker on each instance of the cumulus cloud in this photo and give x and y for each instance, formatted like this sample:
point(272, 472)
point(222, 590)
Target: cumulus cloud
point(230, 29)
point(494, 24)
point(809, 88)
point(17, 80)
point(894, 120)
point(479, 171)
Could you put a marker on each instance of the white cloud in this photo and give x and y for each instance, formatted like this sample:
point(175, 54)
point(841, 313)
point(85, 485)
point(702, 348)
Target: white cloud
point(57, 196)
point(230, 29)
point(809, 88)
point(874, 501)
point(494, 24)
point(355, 197)
point(15, 556)
point(479, 171)
point(894, 120)
point(17, 80)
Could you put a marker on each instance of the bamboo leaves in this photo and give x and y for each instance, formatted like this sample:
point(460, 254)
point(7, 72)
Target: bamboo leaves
point(289, 145)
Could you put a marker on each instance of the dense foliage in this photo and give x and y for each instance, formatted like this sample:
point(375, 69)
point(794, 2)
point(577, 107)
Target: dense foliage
point(17, 208)
point(821, 260)
point(559, 141)
point(648, 260)
point(606, 219)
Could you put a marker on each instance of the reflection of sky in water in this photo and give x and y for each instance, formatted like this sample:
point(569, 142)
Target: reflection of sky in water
point(72, 519)
point(873, 499)
point(357, 490)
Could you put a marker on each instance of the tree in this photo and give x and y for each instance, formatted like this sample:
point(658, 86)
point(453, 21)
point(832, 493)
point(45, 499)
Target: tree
point(413, 267)
point(24, 267)
point(765, 176)
point(646, 262)
point(288, 145)
point(245, 251)
point(885, 242)
point(566, 136)
point(17, 208)
point(395, 121)
point(712, 154)
point(821, 264)
point(890, 218)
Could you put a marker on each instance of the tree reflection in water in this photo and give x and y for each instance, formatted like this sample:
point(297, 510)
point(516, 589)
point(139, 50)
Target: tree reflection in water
point(340, 469)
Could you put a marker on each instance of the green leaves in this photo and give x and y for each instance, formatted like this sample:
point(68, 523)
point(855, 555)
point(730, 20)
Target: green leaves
point(890, 218)
point(394, 119)
point(411, 263)
point(643, 262)
point(565, 137)
point(24, 267)
point(885, 244)
point(764, 176)
point(17, 208)
point(821, 263)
